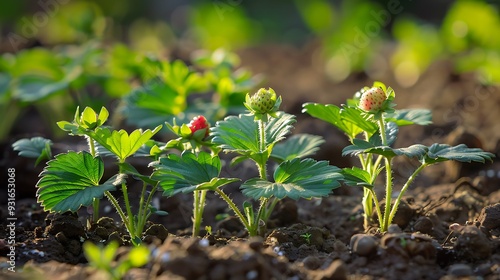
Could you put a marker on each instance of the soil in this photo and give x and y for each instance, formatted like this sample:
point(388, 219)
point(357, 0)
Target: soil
point(448, 226)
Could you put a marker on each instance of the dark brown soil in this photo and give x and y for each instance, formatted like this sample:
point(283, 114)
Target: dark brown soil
point(447, 228)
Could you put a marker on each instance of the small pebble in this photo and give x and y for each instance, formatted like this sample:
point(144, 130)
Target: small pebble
point(336, 270)
point(364, 244)
point(394, 228)
point(311, 262)
point(460, 270)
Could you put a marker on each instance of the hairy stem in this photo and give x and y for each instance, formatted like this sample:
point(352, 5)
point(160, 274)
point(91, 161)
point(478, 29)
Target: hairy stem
point(269, 207)
point(367, 207)
point(261, 165)
point(235, 209)
point(199, 206)
point(96, 201)
point(118, 209)
point(384, 224)
point(377, 205)
point(130, 219)
point(404, 189)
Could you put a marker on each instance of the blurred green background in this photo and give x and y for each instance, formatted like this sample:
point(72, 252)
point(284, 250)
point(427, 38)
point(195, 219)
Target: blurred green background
point(351, 33)
point(54, 46)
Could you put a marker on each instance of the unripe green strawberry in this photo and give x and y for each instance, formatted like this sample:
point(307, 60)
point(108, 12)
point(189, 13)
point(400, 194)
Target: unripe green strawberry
point(198, 123)
point(262, 101)
point(372, 100)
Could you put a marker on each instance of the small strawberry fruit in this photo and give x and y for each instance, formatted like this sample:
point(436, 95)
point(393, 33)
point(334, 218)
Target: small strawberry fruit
point(372, 100)
point(199, 123)
point(262, 103)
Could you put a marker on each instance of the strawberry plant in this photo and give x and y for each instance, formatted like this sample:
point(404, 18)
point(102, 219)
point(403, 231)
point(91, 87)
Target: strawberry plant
point(104, 259)
point(372, 124)
point(73, 179)
point(213, 87)
point(253, 136)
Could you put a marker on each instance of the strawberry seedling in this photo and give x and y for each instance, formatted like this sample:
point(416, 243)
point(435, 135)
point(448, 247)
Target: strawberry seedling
point(372, 117)
point(251, 136)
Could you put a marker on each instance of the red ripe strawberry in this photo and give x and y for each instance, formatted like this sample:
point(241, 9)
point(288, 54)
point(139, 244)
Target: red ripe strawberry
point(372, 100)
point(198, 123)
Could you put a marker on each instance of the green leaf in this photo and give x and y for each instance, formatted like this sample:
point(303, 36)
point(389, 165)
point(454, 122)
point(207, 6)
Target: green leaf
point(331, 114)
point(348, 119)
point(153, 104)
point(120, 142)
point(103, 116)
point(296, 179)
point(72, 180)
point(357, 177)
point(73, 129)
point(33, 148)
point(89, 118)
point(92, 253)
point(363, 147)
point(139, 256)
point(127, 168)
point(358, 118)
point(410, 116)
point(5, 81)
point(297, 146)
point(34, 87)
point(215, 183)
point(108, 252)
point(240, 133)
point(178, 75)
point(443, 152)
point(188, 172)
point(391, 133)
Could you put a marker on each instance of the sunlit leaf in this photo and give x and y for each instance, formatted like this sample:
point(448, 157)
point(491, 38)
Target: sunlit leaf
point(349, 120)
point(356, 176)
point(296, 179)
point(240, 133)
point(72, 180)
point(153, 104)
point(120, 142)
point(188, 172)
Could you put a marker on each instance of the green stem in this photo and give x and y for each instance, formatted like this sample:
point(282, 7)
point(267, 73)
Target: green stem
point(377, 206)
point(375, 166)
point(384, 224)
point(269, 209)
point(262, 147)
point(367, 207)
point(130, 219)
point(262, 135)
point(235, 209)
point(96, 201)
point(366, 164)
point(142, 213)
point(118, 209)
point(404, 189)
point(199, 205)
